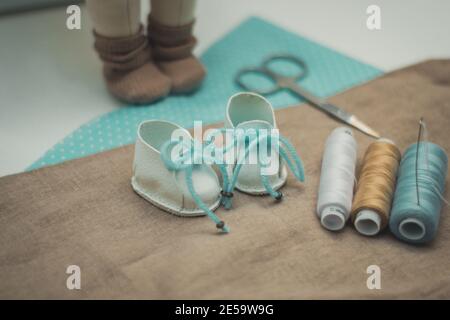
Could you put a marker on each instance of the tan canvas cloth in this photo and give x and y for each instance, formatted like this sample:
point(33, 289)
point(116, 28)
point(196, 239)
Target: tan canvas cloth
point(84, 212)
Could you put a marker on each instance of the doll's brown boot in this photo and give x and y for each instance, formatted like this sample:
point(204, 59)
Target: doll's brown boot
point(172, 52)
point(129, 73)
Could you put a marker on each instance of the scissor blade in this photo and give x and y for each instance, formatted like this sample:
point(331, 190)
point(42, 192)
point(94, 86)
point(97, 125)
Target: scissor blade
point(347, 118)
point(358, 124)
point(334, 111)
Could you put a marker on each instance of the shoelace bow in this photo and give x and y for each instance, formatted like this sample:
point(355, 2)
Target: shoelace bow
point(187, 162)
point(288, 154)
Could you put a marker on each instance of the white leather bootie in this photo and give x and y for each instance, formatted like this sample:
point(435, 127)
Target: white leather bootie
point(251, 111)
point(181, 189)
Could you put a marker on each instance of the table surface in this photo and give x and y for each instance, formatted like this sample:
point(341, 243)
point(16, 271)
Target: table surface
point(50, 79)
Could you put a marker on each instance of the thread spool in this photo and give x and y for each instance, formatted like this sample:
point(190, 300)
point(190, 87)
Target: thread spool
point(337, 179)
point(375, 188)
point(419, 193)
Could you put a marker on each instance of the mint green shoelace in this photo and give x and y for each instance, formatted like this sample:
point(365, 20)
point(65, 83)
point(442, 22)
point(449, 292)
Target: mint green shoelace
point(186, 162)
point(288, 154)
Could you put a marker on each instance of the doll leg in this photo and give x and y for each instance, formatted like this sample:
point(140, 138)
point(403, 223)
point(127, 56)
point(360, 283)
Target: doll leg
point(115, 18)
point(170, 26)
point(129, 73)
point(173, 13)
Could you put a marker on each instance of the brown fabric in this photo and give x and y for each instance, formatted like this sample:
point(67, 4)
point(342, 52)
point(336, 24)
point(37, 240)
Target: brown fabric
point(166, 54)
point(84, 212)
point(168, 35)
point(122, 45)
point(172, 51)
point(170, 43)
point(185, 75)
point(129, 73)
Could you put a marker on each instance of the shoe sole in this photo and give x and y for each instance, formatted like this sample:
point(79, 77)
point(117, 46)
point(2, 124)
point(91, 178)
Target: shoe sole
point(262, 191)
point(164, 207)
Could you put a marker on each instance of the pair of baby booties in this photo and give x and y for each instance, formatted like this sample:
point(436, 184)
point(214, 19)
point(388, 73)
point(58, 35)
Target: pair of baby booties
point(169, 173)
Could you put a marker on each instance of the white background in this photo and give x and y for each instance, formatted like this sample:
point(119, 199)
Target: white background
point(50, 80)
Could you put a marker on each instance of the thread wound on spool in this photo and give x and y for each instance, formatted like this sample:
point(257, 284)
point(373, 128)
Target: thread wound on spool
point(337, 179)
point(375, 188)
point(419, 193)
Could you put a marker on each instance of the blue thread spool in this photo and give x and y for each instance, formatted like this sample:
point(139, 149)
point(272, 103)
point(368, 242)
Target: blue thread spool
point(417, 199)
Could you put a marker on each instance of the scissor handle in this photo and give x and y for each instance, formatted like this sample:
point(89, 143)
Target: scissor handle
point(279, 80)
point(302, 68)
point(261, 71)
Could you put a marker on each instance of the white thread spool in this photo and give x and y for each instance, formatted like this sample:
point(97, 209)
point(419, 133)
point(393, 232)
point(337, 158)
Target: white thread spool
point(368, 221)
point(337, 179)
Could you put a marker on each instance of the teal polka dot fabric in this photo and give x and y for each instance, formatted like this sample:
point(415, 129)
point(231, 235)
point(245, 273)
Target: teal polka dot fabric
point(247, 45)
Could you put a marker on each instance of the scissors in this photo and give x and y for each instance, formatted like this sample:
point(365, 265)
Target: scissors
point(290, 82)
